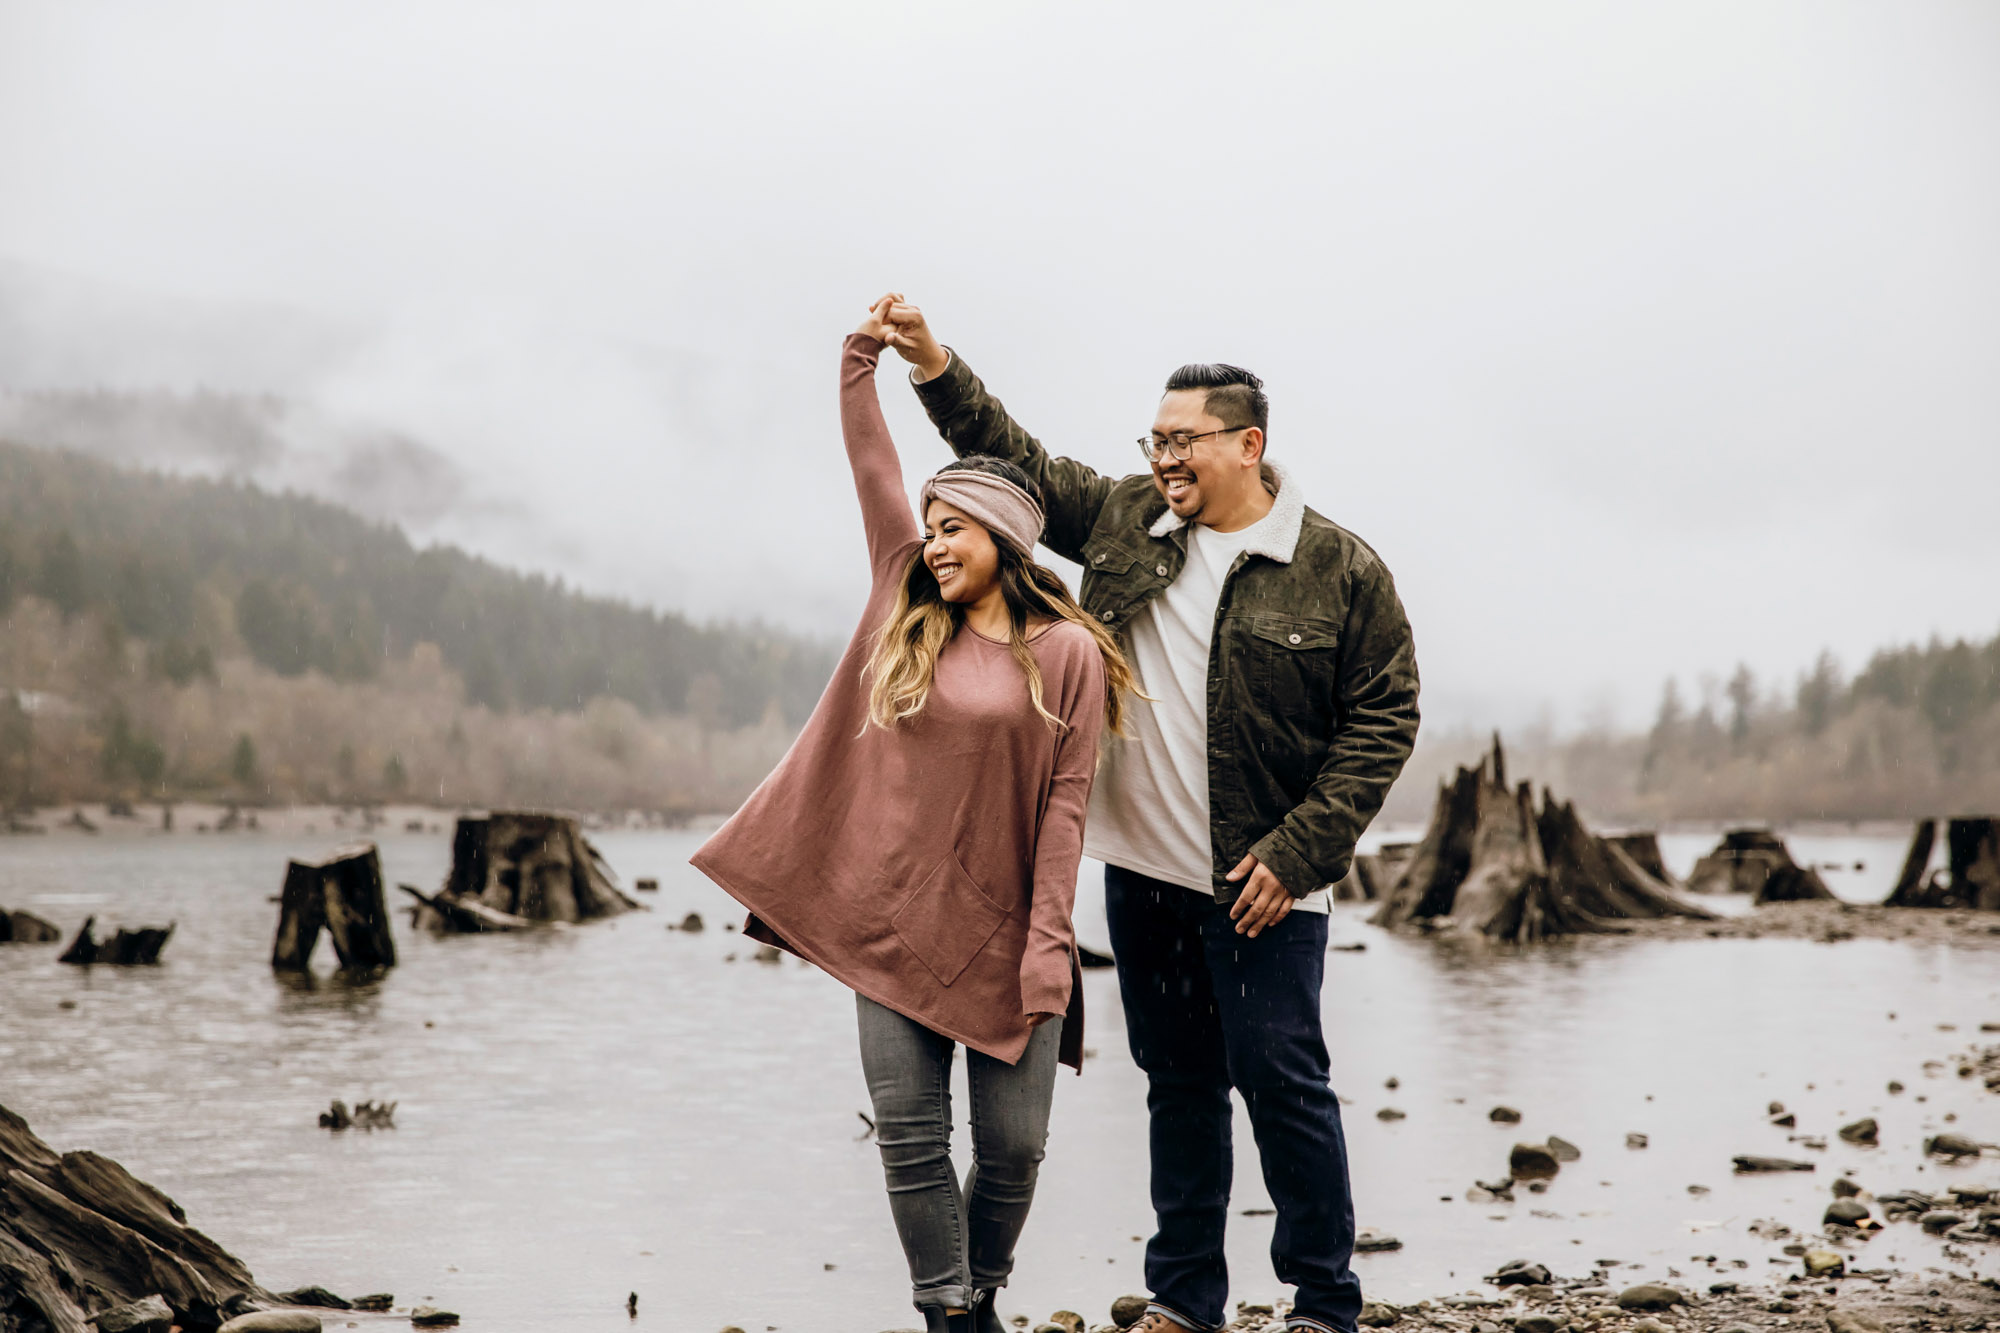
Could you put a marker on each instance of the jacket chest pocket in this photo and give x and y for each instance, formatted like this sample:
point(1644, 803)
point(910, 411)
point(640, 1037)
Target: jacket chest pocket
point(1294, 664)
point(1106, 591)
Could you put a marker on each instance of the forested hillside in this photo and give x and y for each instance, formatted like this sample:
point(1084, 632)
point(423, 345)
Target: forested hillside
point(123, 590)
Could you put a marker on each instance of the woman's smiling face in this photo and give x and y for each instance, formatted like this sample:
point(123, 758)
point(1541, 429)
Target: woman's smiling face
point(960, 554)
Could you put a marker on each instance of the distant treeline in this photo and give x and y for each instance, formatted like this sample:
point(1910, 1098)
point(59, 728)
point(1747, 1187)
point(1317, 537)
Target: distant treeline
point(1915, 732)
point(197, 568)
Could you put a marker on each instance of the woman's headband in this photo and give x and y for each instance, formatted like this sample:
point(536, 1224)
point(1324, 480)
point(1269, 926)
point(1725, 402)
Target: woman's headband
point(994, 501)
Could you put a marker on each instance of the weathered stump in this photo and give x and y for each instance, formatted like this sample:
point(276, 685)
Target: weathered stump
point(524, 865)
point(79, 1235)
point(1491, 865)
point(342, 895)
point(1644, 849)
point(1756, 861)
point(1378, 871)
point(26, 928)
point(1970, 876)
point(128, 948)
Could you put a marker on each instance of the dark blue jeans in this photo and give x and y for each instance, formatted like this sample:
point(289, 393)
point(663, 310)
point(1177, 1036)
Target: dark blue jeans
point(1207, 1010)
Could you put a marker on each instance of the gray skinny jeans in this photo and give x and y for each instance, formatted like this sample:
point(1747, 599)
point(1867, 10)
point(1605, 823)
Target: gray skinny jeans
point(957, 1240)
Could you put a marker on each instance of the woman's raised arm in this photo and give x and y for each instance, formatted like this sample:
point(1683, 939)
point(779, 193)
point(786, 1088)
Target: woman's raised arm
point(878, 473)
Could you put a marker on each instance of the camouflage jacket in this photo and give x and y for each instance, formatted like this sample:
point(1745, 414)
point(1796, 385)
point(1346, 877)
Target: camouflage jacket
point(1312, 672)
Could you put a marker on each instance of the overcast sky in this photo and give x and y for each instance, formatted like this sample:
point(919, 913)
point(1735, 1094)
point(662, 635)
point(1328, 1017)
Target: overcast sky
point(1637, 339)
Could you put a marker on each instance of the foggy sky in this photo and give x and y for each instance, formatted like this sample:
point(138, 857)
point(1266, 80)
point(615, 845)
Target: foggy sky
point(1638, 340)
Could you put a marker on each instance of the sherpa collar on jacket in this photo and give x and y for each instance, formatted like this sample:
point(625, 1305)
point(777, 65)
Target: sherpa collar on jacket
point(1281, 532)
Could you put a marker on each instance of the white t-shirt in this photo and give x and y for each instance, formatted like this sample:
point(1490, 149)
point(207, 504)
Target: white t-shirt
point(1149, 806)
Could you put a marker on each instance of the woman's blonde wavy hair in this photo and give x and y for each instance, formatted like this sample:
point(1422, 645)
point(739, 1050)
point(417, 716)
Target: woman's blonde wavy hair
point(903, 663)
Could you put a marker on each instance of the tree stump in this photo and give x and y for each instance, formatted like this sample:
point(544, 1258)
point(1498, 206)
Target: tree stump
point(1644, 849)
point(1378, 871)
point(128, 948)
point(1970, 876)
point(79, 1235)
point(525, 865)
point(1756, 861)
point(26, 928)
point(1490, 865)
point(342, 895)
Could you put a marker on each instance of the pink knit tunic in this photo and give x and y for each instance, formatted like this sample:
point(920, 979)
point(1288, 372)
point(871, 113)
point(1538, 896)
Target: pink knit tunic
point(931, 867)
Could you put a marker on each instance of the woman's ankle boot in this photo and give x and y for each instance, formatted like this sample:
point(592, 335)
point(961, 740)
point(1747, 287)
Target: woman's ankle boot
point(985, 1314)
point(937, 1321)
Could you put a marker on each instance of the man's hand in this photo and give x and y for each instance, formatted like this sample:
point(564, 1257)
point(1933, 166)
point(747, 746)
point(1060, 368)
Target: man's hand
point(1263, 903)
point(877, 325)
point(914, 342)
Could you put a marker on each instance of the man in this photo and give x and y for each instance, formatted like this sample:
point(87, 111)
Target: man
point(1284, 683)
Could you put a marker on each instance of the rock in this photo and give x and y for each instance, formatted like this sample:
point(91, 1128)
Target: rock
point(1824, 1263)
point(1129, 1310)
point(1564, 1150)
point(1380, 1314)
point(1504, 1115)
point(1861, 1131)
point(1392, 1083)
point(1724, 1288)
point(273, 1321)
point(380, 1300)
point(1371, 1240)
point(1536, 1323)
point(1785, 1121)
point(1068, 1320)
point(429, 1316)
point(318, 1296)
point(1635, 1140)
point(1950, 1145)
point(1894, 1087)
point(1845, 1188)
point(1747, 1165)
point(1651, 1296)
point(1845, 1212)
point(1852, 1321)
point(1532, 1161)
point(768, 953)
point(692, 923)
point(1520, 1273)
point(1939, 1220)
point(1390, 1113)
point(152, 1315)
point(1781, 1306)
point(1650, 1325)
point(1698, 1189)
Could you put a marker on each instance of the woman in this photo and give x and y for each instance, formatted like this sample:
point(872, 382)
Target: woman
point(920, 840)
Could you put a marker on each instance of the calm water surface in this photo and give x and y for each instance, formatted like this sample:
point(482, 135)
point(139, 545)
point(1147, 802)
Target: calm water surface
point(626, 1108)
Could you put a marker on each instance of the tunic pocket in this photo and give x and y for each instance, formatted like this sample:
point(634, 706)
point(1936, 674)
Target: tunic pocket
point(948, 920)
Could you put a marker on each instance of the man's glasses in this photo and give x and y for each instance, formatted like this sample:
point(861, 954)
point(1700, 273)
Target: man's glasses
point(1180, 444)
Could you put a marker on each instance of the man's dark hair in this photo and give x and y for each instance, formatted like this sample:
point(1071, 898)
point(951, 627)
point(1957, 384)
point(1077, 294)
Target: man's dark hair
point(1235, 396)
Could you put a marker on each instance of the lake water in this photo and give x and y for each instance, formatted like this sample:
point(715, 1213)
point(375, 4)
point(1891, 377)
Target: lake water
point(624, 1108)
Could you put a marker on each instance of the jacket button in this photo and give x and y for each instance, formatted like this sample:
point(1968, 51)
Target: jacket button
point(1161, 570)
point(1295, 638)
point(1106, 617)
point(1097, 559)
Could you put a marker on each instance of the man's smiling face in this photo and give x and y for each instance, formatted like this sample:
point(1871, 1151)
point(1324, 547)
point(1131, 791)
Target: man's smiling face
point(1214, 465)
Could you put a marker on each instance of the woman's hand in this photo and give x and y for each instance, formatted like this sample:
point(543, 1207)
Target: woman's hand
point(914, 342)
point(877, 325)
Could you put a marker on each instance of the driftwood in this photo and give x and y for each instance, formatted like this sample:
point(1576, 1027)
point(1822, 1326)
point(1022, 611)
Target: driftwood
point(365, 1115)
point(343, 896)
point(79, 1235)
point(128, 948)
point(1756, 861)
point(1970, 876)
point(1491, 865)
point(467, 916)
point(528, 866)
point(26, 928)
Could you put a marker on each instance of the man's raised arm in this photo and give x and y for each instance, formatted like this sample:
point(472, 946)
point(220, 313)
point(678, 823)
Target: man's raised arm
point(973, 421)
